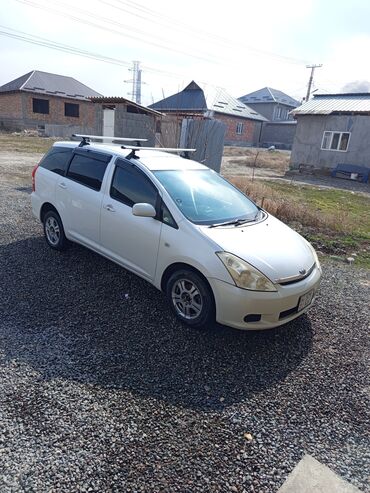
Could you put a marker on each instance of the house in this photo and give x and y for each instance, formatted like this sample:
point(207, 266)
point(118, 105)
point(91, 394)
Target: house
point(120, 117)
point(276, 107)
point(53, 104)
point(272, 104)
point(243, 124)
point(332, 129)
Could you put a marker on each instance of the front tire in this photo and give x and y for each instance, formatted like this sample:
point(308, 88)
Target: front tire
point(54, 231)
point(190, 298)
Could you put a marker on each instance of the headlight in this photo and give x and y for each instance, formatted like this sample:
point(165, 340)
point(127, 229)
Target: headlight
point(314, 255)
point(244, 275)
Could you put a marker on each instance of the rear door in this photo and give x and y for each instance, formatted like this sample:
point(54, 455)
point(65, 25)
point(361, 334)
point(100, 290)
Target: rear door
point(79, 196)
point(130, 240)
point(53, 165)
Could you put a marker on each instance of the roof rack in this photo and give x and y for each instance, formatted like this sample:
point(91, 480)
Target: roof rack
point(85, 139)
point(164, 149)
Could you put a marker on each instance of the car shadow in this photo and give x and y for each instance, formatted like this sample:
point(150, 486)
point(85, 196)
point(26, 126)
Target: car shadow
point(80, 317)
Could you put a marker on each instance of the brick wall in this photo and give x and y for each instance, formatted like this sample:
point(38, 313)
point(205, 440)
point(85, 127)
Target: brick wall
point(10, 105)
point(56, 111)
point(16, 112)
point(231, 137)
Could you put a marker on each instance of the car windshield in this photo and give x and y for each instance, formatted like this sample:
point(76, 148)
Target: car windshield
point(204, 197)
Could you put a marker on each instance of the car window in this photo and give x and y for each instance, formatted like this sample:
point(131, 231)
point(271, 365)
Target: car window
point(204, 197)
point(88, 170)
point(166, 216)
point(131, 186)
point(57, 159)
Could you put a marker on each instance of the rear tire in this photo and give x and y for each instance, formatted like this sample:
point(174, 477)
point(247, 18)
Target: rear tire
point(190, 298)
point(54, 231)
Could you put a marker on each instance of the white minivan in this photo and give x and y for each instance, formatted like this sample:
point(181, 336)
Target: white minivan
point(182, 227)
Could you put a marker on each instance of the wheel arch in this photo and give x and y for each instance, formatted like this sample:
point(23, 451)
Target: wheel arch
point(171, 269)
point(46, 207)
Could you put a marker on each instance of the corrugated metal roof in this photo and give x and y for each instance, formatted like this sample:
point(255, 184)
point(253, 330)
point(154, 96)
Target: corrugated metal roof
point(50, 84)
point(269, 95)
point(219, 101)
point(194, 98)
point(120, 99)
point(325, 104)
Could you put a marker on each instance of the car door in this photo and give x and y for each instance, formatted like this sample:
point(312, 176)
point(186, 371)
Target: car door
point(130, 240)
point(79, 196)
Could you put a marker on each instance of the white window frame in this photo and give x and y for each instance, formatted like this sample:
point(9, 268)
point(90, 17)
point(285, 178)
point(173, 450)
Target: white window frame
point(239, 128)
point(332, 132)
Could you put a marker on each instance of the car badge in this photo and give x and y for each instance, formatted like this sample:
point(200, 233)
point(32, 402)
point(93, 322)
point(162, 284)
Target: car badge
point(302, 272)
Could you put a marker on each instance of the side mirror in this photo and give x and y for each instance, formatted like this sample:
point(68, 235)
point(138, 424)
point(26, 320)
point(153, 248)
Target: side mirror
point(143, 210)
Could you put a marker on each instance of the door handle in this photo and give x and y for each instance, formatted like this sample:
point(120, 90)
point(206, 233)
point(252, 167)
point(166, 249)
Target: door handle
point(62, 185)
point(110, 208)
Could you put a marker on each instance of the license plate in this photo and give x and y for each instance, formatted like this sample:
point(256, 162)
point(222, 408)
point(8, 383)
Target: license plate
point(305, 300)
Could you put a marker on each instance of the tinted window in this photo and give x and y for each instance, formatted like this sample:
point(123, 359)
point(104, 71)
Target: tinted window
point(131, 186)
point(87, 170)
point(71, 109)
point(40, 106)
point(57, 159)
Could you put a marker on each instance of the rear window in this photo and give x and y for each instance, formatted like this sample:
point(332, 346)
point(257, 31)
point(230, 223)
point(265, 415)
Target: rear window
point(88, 169)
point(57, 159)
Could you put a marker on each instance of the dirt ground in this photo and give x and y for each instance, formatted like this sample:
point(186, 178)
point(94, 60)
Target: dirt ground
point(237, 161)
point(262, 164)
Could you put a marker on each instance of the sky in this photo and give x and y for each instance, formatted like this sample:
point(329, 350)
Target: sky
point(240, 46)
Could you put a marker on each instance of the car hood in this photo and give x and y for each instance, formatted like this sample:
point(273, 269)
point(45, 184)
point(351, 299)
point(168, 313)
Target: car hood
point(270, 246)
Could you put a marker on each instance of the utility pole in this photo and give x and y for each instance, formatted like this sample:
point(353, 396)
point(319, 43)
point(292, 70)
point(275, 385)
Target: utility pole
point(136, 82)
point(312, 67)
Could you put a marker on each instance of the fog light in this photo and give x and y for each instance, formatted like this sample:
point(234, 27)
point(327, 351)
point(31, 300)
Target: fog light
point(253, 317)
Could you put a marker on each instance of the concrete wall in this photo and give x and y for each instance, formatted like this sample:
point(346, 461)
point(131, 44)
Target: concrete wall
point(279, 134)
point(310, 129)
point(134, 125)
point(264, 109)
point(268, 110)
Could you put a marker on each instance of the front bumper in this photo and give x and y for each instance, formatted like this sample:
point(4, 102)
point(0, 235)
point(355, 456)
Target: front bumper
point(276, 308)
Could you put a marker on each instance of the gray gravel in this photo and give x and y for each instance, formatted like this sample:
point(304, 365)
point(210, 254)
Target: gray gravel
point(100, 391)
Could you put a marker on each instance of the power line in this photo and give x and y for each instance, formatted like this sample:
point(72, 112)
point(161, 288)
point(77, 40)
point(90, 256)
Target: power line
point(207, 57)
point(166, 20)
point(125, 34)
point(37, 40)
point(47, 43)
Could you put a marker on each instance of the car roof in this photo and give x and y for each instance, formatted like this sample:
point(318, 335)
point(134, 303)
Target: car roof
point(152, 159)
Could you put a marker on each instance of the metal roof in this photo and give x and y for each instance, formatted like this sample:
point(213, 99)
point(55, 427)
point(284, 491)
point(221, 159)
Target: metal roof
point(269, 95)
point(194, 98)
point(50, 84)
point(119, 99)
point(325, 104)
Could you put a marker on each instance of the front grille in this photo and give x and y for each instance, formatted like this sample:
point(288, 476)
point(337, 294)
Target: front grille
point(297, 278)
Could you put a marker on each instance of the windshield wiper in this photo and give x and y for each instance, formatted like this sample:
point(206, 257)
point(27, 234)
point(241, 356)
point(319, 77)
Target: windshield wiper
point(236, 222)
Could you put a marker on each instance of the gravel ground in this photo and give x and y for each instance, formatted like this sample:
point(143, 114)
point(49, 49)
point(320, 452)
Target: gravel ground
point(102, 390)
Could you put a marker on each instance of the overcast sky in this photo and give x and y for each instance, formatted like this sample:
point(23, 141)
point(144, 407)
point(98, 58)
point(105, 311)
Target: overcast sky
point(238, 45)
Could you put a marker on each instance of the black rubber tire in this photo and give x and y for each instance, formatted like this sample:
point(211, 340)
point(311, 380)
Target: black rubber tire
point(206, 317)
point(62, 243)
